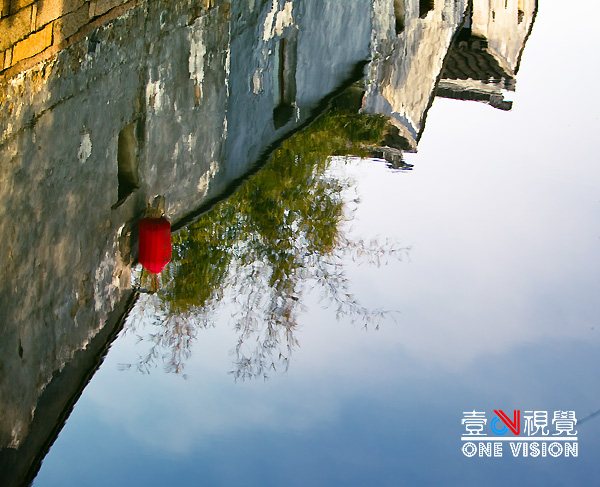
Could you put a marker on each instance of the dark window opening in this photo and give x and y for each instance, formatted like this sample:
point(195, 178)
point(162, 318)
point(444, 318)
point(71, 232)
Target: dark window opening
point(285, 80)
point(399, 14)
point(425, 6)
point(520, 11)
point(465, 32)
point(127, 158)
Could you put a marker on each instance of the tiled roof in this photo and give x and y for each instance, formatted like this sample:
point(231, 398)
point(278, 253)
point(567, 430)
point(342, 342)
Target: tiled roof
point(473, 60)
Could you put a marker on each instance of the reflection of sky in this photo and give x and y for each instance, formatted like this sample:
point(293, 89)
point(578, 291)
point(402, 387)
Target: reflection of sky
point(498, 306)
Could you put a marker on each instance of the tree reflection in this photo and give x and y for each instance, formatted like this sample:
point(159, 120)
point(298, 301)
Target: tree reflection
point(280, 234)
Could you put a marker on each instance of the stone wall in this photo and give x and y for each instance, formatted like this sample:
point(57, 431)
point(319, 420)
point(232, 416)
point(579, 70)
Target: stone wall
point(33, 30)
point(408, 57)
point(65, 264)
point(505, 24)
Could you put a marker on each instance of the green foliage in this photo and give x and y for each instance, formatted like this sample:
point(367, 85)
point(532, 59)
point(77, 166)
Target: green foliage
point(281, 229)
point(288, 201)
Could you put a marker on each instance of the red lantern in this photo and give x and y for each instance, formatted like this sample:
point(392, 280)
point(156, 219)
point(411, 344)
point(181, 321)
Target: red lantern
point(155, 243)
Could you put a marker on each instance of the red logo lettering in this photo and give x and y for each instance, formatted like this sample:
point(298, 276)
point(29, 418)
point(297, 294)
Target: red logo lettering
point(515, 424)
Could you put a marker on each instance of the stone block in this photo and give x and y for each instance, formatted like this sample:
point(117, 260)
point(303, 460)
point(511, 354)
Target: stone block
point(16, 5)
point(69, 24)
point(32, 45)
point(100, 7)
point(7, 58)
point(49, 10)
point(2, 60)
point(14, 27)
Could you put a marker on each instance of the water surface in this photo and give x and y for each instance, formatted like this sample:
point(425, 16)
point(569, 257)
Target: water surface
point(485, 298)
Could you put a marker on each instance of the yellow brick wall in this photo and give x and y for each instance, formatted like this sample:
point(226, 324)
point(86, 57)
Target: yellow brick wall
point(29, 28)
point(33, 44)
point(15, 27)
point(49, 10)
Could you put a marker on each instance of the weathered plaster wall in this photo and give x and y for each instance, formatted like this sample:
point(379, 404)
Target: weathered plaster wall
point(505, 24)
point(407, 64)
point(331, 38)
point(62, 273)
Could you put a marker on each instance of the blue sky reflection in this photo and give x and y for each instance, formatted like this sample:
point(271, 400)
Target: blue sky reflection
point(498, 304)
